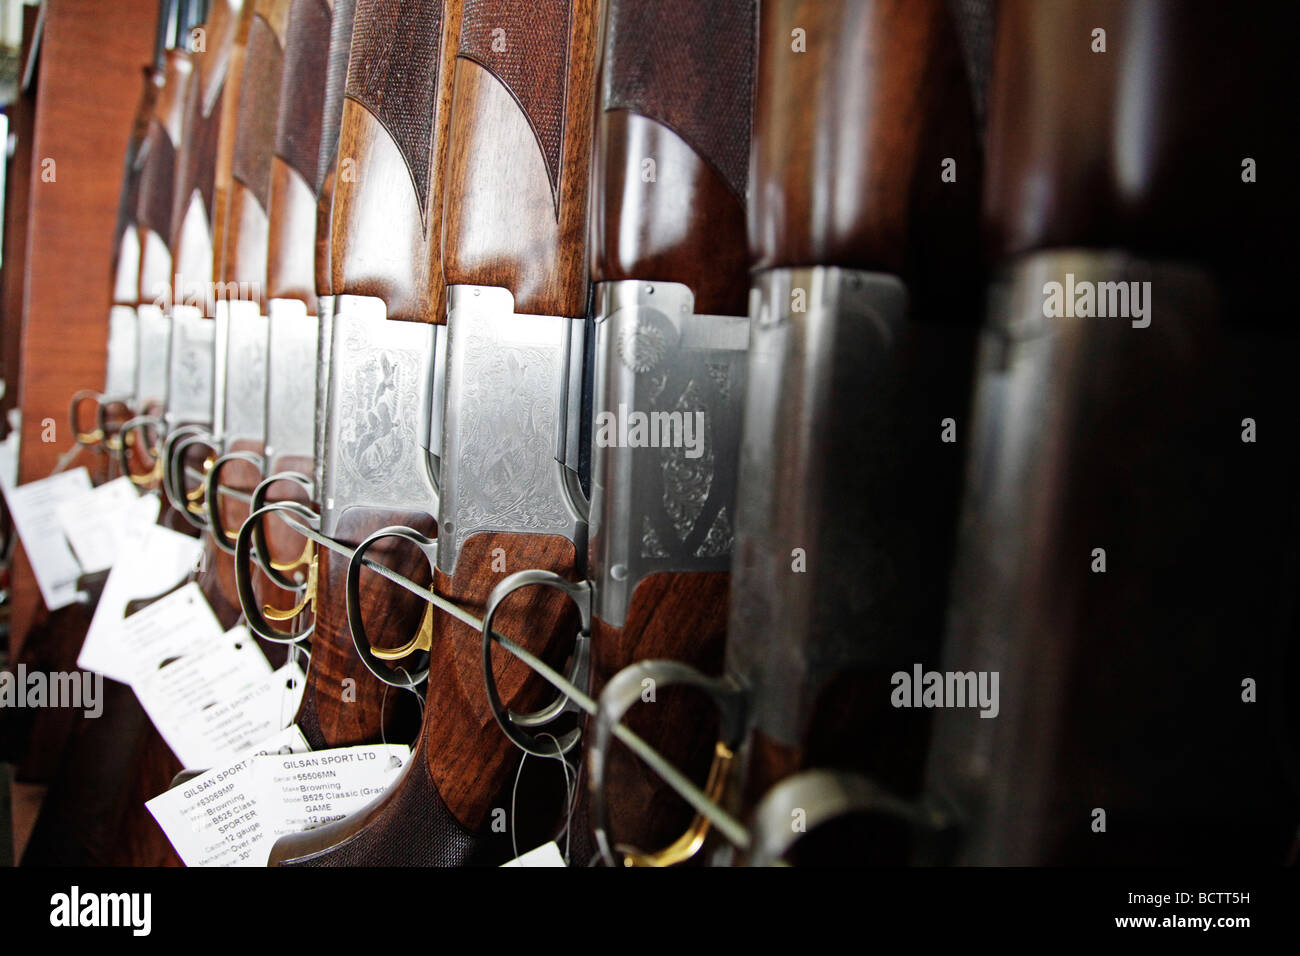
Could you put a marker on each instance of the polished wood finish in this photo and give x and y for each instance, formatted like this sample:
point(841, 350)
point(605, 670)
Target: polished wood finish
point(687, 227)
point(126, 255)
point(463, 767)
point(507, 225)
point(245, 254)
point(887, 77)
point(158, 177)
point(690, 114)
point(379, 245)
point(203, 181)
point(387, 202)
point(293, 201)
point(336, 74)
point(1115, 150)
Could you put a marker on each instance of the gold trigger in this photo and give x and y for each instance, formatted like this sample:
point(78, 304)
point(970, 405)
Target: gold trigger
point(153, 474)
point(689, 843)
point(423, 640)
point(275, 614)
point(308, 555)
point(193, 497)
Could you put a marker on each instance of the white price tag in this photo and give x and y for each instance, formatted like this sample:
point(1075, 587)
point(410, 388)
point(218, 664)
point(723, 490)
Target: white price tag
point(95, 524)
point(213, 704)
point(312, 789)
point(217, 819)
point(34, 507)
point(177, 624)
point(152, 559)
point(548, 854)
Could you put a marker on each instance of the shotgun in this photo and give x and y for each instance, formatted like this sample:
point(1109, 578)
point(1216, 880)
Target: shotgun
point(861, 345)
point(513, 254)
point(1137, 326)
point(316, 52)
point(197, 242)
point(382, 206)
point(669, 263)
point(242, 334)
point(296, 195)
point(154, 218)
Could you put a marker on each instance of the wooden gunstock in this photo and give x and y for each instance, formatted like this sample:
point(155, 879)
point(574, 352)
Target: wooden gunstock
point(126, 237)
point(676, 90)
point(335, 714)
point(244, 256)
point(387, 194)
point(158, 181)
point(382, 136)
point(850, 137)
point(336, 74)
point(518, 171)
point(1110, 150)
point(199, 213)
point(291, 269)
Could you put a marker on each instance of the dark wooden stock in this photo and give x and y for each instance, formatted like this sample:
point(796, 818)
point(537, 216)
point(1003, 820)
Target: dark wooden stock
point(387, 202)
point(294, 194)
point(463, 766)
point(336, 74)
point(1067, 165)
point(517, 188)
point(887, 77)
point(367, 209)
point(126, 242)
point(336, 713)
point(885, 83)
point(244, 255)
point(517, 174)
point(158, 177)
point(199, 212)
point(382, 137)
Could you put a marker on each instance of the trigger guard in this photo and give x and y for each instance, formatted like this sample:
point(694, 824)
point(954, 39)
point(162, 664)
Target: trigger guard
point(357, 627)
point(511, 723)
point(248, 601)
point(174, 472)
point(142, 423)
point(621, 692)
point(212, 496)
point(261, 551)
